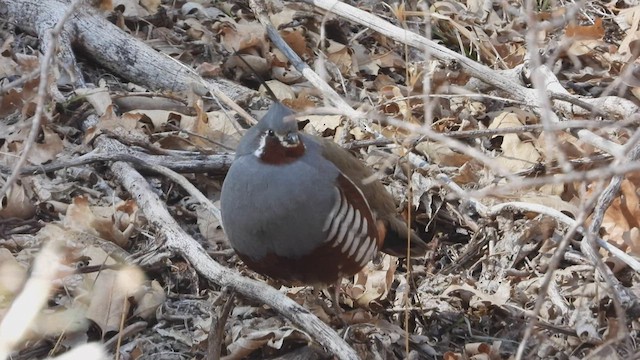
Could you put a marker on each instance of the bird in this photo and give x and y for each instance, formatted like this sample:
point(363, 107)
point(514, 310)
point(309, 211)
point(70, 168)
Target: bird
point(295, 207)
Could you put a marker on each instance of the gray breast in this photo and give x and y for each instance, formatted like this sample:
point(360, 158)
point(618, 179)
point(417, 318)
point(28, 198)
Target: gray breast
point(278, 209)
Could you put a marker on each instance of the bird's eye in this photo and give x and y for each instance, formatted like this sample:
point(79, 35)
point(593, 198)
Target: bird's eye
point(271, 133)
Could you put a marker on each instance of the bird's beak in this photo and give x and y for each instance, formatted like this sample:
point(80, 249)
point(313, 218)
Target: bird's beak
point(290, 139)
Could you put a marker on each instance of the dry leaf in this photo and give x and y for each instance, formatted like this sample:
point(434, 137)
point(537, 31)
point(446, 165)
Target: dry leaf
point(282, 90)
point(108, 290)
point(16, 203)
point(441, 154)
point(591, 32)
point(12, 276)
point(623, 214)
point(149, 297)
point(517, 155)
point(99, 98)
point(48, 149)
point(373, 282)
point(322, 123)
point(130, 8)
point(242, 36)
point(297, 41)
point(113, 223)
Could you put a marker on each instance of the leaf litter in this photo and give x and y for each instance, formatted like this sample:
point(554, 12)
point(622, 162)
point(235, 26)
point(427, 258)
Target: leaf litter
point(469, 298)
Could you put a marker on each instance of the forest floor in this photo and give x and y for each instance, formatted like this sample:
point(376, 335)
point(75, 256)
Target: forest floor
point(507, 133)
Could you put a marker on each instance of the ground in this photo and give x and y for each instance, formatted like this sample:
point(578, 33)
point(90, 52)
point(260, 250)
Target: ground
point(506, 132)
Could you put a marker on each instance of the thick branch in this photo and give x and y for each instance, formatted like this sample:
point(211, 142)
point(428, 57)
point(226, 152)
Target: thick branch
point(114, 49)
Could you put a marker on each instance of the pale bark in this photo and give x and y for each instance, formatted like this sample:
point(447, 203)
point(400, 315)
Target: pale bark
point(112, 48)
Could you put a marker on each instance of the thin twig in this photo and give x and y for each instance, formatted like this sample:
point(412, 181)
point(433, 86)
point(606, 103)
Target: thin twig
point(259, 9)
point(46, 62)
point(20, 81)
point(575, 176)
point(187, 186)
point(589, 244)
point(218, 320)
point(192, 164)
point(537, 208)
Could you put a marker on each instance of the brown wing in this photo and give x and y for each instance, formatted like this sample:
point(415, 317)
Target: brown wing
point(380, 201)
point(350, 225)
